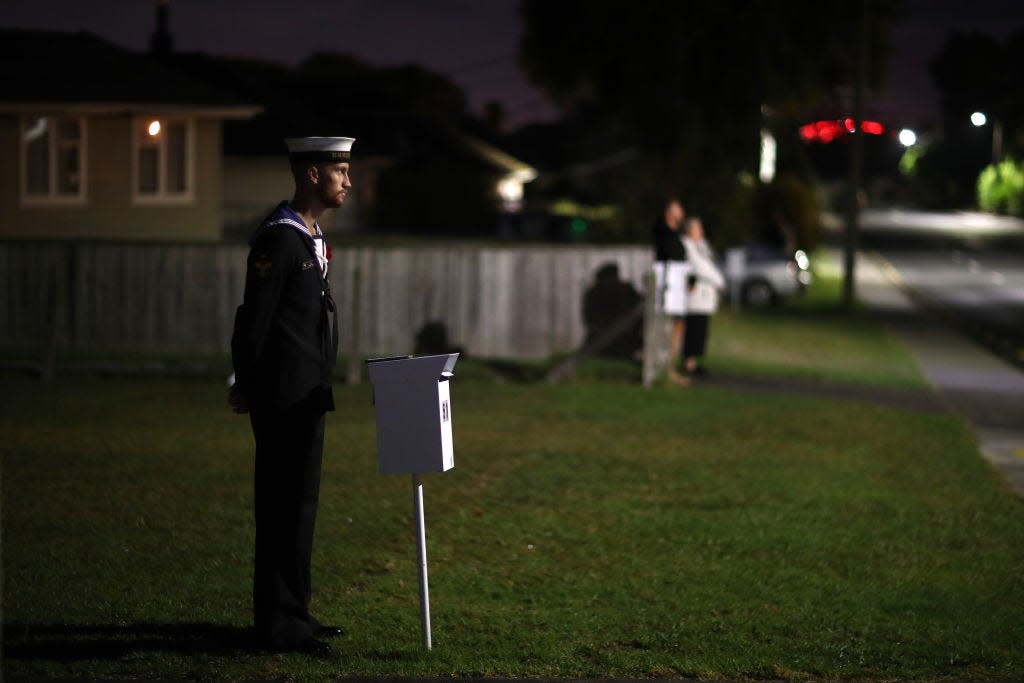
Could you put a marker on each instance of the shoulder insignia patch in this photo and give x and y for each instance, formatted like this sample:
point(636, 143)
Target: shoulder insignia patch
point(262, 265)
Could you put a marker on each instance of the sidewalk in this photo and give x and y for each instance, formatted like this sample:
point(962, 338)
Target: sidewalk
point(969, 380)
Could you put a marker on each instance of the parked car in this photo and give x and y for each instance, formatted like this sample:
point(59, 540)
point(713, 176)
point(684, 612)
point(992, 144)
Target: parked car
point(763, 275)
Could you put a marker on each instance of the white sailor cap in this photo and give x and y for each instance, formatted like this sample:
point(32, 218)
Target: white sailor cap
point(320, 149)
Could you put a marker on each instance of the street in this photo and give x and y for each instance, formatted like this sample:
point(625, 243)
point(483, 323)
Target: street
point(967, 267)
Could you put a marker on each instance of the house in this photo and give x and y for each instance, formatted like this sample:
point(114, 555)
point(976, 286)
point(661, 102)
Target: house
point(100, 143)
point(256, 172)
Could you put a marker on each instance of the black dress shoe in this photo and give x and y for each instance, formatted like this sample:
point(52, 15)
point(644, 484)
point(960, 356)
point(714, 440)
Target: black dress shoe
point(329, 631)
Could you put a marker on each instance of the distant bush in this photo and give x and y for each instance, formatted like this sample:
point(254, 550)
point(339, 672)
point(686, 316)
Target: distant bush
point(1001, 188)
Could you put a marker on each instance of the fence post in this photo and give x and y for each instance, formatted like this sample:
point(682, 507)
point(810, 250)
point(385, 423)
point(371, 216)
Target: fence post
point(657, 337)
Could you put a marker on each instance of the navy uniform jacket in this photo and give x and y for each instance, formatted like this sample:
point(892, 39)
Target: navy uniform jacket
point(284, 345)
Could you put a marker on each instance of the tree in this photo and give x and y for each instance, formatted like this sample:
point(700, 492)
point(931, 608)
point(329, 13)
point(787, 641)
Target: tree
point(974, 72)
point(688, 83)
point(971, 74)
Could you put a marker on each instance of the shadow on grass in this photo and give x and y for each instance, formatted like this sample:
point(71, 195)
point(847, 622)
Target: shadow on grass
point(66, 643)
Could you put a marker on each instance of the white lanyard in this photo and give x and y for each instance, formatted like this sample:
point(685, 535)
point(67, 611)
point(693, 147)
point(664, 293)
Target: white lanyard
point(319, 243)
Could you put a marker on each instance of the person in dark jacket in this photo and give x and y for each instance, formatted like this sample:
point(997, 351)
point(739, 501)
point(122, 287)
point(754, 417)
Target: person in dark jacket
point(669, 252)
point(283, 349)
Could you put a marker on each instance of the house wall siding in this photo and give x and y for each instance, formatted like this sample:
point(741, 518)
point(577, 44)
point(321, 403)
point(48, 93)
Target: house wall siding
point(109, 211)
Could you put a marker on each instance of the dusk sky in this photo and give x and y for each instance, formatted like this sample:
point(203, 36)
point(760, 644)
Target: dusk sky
point(908, 92)
point(472, 41)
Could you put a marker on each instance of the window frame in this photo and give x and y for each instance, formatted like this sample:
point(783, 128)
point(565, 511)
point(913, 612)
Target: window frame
point(53, 196)
point(163, 196)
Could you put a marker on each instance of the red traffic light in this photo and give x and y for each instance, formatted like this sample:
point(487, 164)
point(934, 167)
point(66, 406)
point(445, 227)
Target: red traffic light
point(826, 131)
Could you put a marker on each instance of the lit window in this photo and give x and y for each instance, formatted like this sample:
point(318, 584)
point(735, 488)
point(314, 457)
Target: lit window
point(163, 159)
point(52, 159)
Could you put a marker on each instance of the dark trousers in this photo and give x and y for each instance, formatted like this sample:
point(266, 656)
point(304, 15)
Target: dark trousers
point(696, 335)
point(289, 450)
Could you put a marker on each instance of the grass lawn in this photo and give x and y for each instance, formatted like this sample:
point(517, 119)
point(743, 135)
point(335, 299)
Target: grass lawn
point(588, 530)
point(593, 529)
point(810, 336)
point(828, 345)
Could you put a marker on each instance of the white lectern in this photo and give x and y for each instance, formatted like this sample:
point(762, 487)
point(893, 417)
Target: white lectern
point(412, 405)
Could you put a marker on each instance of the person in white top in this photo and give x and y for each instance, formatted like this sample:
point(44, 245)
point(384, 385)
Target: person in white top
point(702, 302)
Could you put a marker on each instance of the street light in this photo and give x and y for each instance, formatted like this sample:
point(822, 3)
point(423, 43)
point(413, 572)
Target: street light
point(907, 137)
point(979, 119)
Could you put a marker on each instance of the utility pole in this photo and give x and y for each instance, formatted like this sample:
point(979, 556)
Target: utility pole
point(997, 141)
point(852, 236)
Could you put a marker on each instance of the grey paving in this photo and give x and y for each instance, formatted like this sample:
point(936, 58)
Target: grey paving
point(971, 381)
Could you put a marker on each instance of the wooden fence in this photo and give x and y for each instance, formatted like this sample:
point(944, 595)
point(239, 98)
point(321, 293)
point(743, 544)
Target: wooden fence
point(496, 302)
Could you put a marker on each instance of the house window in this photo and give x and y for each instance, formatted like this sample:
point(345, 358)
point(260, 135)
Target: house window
point(163, 160)
point(52, 160)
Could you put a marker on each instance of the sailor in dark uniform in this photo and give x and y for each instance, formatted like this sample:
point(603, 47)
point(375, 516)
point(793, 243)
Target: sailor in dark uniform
point(284, 347)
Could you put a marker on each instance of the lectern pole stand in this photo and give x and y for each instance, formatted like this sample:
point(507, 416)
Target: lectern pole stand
point(421, 541)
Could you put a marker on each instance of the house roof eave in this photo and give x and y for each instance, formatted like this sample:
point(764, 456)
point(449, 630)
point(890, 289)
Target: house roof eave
point(233, 112)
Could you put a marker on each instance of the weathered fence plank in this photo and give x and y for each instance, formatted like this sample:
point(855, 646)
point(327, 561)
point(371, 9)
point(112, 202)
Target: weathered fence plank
point(507, 302)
